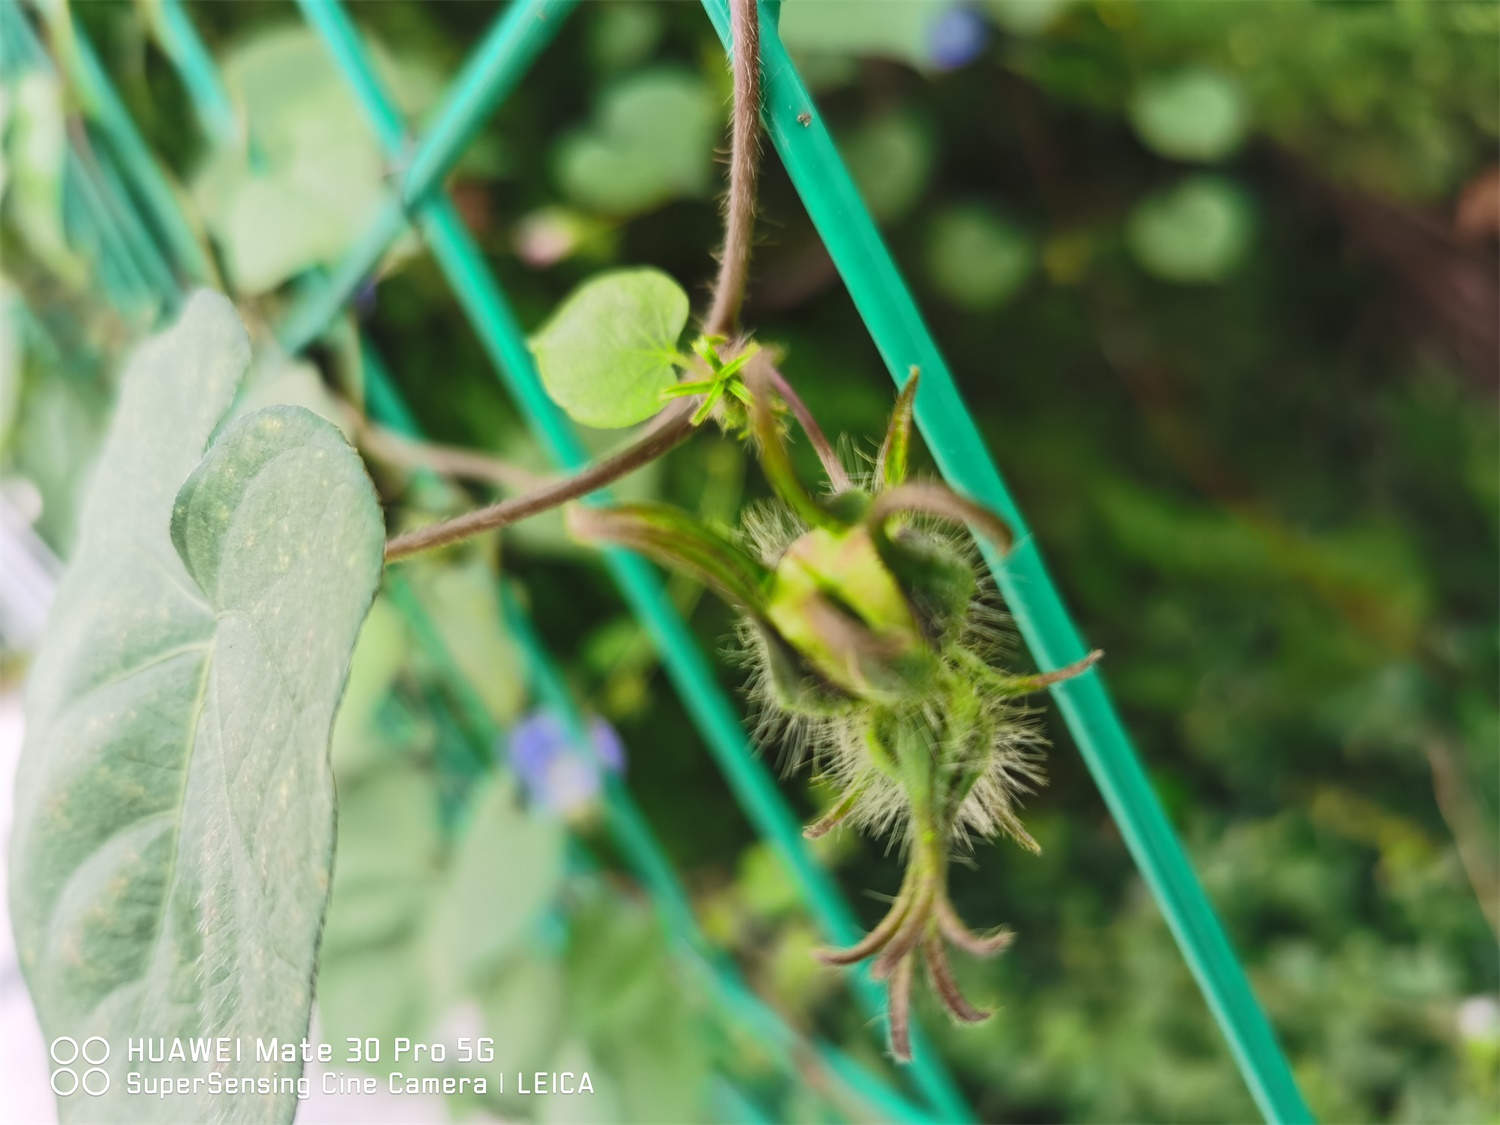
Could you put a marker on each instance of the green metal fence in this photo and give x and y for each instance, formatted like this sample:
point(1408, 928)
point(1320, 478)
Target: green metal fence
point(149, 252)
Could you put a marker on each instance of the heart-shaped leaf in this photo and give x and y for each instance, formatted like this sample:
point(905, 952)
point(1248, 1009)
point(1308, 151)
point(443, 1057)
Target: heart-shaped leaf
point(174, 803)
point(607, 354)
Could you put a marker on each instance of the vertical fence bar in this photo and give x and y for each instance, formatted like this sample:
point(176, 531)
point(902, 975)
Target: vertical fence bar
point(502, 337)
point(879, 293)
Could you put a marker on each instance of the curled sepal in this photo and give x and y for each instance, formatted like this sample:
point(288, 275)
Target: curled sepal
point(898, 1008)
point(675, 539)
point(933, 499)
point(834, 816)
point(919, 925)
point(940, 973)
point(1026, 685)
point(890, 462)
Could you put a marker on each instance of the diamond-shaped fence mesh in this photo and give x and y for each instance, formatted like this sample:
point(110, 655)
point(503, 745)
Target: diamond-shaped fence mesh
point(147, 253)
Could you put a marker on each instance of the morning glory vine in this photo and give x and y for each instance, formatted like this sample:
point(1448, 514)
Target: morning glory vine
point(874, 635)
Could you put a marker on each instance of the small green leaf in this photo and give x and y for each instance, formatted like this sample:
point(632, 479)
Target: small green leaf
point(1197, 231)
point(174, 803)
point(607, 354)
point(1194, 114)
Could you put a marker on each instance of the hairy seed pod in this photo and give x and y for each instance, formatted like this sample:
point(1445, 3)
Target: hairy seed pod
point(877, 649)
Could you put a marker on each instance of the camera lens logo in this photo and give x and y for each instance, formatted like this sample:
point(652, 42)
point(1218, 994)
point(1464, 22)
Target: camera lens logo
point(66, 1053)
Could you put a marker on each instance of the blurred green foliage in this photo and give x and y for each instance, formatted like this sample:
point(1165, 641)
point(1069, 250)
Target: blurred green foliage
point(1263, 468)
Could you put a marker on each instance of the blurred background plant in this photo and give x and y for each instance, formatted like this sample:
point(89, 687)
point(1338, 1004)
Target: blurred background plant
point(1219, 283)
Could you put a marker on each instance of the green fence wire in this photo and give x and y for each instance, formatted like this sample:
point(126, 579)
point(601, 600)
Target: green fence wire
point(881, 296)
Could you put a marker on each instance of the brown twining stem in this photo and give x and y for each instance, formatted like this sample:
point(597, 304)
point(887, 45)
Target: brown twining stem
point(744, 160)
point(450, 461)
point(669, 429)
point(739, 225)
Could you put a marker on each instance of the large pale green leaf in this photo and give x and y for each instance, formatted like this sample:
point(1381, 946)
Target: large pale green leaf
point(606, 355)
point(174, 803)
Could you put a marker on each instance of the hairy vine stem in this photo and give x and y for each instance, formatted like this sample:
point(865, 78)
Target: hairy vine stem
point(450, 461)
point(744, 163)
point(673, 425)
point(668, 430)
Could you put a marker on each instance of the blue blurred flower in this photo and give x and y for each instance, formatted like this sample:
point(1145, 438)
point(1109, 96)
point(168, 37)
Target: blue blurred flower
point(557, 773)
point(957, 38)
